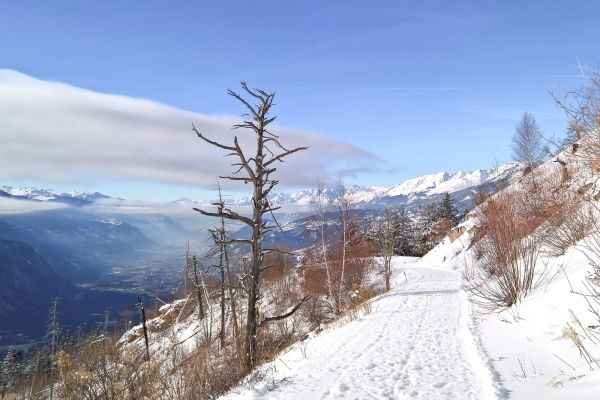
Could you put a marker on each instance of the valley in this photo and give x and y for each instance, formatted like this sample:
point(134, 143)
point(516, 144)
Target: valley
point(92, 242)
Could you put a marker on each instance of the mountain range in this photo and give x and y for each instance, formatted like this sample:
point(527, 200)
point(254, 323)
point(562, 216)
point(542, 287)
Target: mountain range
point(413, 193)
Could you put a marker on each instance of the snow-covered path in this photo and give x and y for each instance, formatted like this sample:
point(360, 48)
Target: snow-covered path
point(417, 342)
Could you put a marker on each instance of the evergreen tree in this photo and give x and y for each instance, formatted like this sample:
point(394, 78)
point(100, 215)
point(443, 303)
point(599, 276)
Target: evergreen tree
point(12, 367)
point(448, 210)
point(67, 343)
point(421, 241)
point(52, 341)
point(403, 227)
point(34, 362)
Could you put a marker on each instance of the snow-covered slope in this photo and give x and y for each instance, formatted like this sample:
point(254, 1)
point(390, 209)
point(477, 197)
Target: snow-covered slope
point(528, 344)
point(526, 348)
point(425, 339)
point(443, 182)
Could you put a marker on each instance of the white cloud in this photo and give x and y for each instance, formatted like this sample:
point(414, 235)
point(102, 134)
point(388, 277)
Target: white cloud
point(182, 213)
point(17, 206)
point(56, 133)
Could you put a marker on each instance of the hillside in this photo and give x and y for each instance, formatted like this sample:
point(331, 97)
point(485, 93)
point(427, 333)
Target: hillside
point(426, 339)
point(27, 281)
point(28, 285)
point(429, 336)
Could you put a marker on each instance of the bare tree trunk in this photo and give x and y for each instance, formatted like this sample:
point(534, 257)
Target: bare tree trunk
point(222, 271)
point(343, 205)
point(257, 172)
point(344, 244)
point(234, 321)
point(187, 266)
point(141, 305)
point(197, 285)
point(318, 204)
point(256, 263)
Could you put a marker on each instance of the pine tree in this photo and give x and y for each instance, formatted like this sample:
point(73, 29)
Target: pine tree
point(448, 210)
point(33, 362)
point(52, 340)
point(12, 367)
point(33, 367)
point(421, 241)
point(404, 228)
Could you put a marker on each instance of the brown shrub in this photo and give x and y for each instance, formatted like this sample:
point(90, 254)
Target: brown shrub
point(506, 250)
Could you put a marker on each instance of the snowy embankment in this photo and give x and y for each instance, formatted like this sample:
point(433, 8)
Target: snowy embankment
point(419, 340)
point(526, 344)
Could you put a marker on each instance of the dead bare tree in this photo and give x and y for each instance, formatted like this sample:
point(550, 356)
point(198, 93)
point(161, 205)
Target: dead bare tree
point(527, 146)
point(386, 238)
point(582, 107)
point(319, 204)
point(220, 238)
point(342, 204)
point(258, 170)
point(198, 287)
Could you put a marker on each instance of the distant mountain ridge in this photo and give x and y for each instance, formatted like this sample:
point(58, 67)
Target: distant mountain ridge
point(74, 198)
point(414, 190)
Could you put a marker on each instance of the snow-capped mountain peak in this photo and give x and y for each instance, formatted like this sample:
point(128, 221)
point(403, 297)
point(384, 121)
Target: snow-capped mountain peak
point(51, 195)
point(426, 186)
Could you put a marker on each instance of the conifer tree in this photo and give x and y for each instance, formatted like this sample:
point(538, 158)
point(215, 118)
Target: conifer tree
point(9, 368)
point(52, 341)
point(448, 210)
point(426, 221)
point(404, 228)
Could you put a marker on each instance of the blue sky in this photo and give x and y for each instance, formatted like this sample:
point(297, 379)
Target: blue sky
point(410, 87)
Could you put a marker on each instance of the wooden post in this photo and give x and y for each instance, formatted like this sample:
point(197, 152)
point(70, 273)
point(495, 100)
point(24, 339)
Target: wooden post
point(141, 305)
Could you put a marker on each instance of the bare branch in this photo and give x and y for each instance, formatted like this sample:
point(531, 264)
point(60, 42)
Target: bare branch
point(279, 157)
point(237, 96)
point(265, 268)
point(212, 142)
point(220, 242)
point(284, 316)
point(273, 250)
point(229, 215)
point(232, 178)
point(243, 160)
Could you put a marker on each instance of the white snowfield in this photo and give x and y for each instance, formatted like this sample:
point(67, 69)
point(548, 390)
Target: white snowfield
point(419, 341)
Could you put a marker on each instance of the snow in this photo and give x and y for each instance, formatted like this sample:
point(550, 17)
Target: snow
point(419, 341)
point(424, 339)
point(530, 333)
point(47, 194)
point(443, 182)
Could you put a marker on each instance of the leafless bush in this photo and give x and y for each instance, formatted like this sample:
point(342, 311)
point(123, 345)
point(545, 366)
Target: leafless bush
point(590, 247)
point(506, 252)
point(571, 222)
point(565, 212)
point(582, 108)
point(359, 302)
